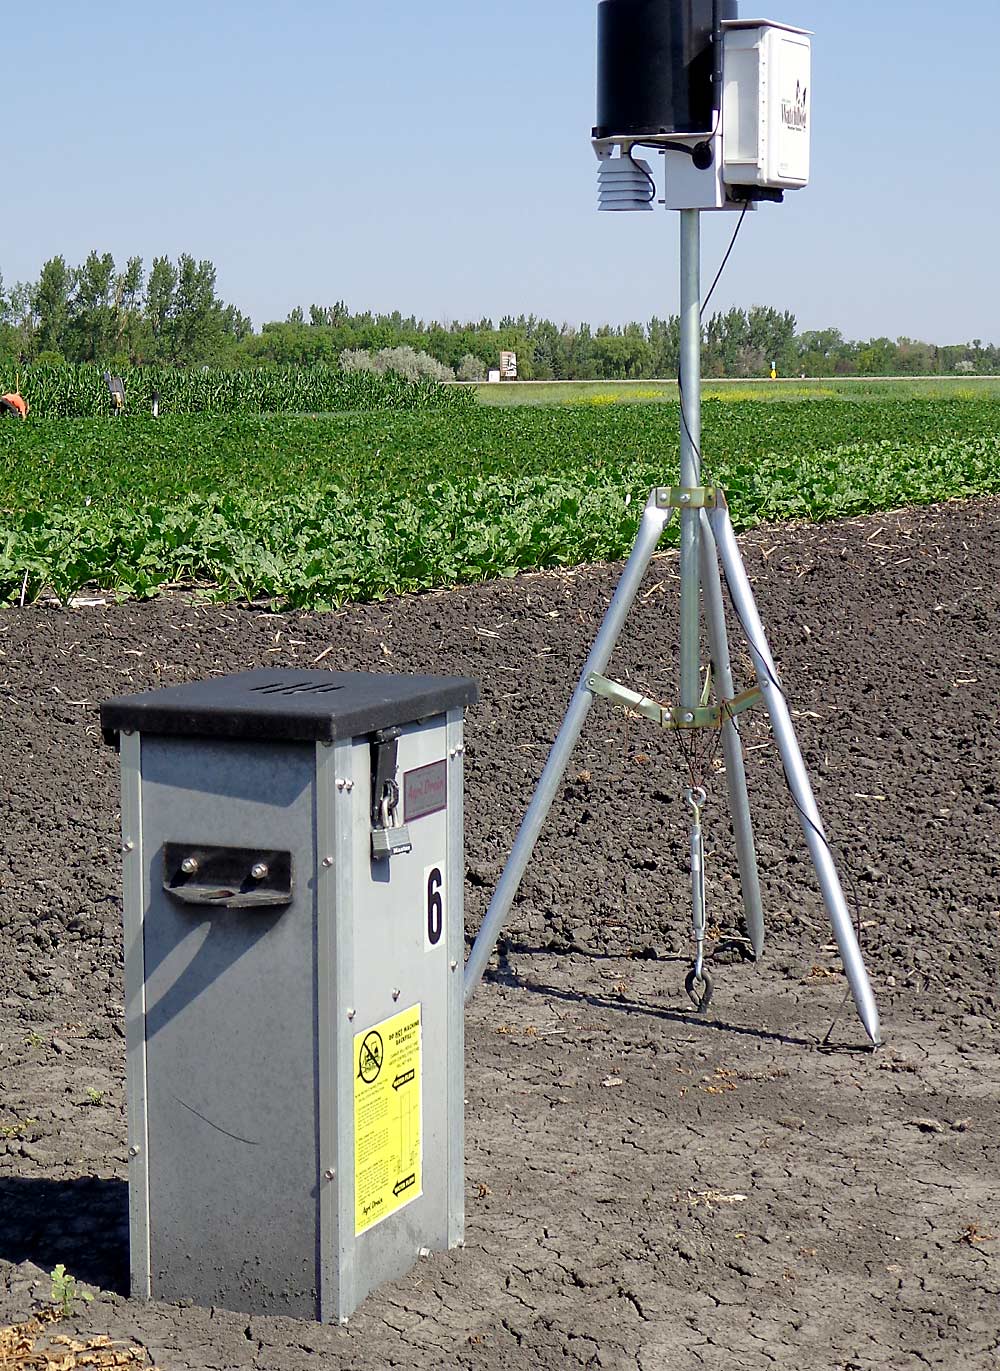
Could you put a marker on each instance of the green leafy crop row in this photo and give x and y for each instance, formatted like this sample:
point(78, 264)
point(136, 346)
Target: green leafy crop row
point(318, 512)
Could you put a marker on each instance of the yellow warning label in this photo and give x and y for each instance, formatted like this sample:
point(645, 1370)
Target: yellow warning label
point(388, 1157)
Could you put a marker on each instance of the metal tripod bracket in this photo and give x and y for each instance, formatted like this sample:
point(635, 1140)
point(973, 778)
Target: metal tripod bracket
point(686, 497)
point(673, 716)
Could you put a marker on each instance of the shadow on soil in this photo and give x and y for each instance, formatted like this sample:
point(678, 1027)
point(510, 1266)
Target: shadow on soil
point(82, 1223)
point(619, 1004)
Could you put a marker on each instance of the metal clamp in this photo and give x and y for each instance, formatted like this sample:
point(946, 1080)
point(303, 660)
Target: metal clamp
point(687, 497)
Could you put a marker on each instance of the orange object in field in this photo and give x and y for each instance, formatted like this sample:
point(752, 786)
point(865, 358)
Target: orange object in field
point(13, 403)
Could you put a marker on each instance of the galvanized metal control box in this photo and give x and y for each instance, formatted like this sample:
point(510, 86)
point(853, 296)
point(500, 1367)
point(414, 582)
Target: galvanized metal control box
point(293, 876)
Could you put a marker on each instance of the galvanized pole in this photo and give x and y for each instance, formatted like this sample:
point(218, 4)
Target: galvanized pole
point(697, 543)
point(690, 387)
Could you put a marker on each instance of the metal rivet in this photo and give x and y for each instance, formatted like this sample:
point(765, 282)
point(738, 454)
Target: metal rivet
point(351, 1013)
point(395, 994)
point(128, 845)
point(133, 1151)
point(258, 871)
point(453, 964)
point(688, 717)
point(340, 782)
point(189, 865)
point(685, 498)
point(328, 861)
point(329, 1173)
point(349, 786)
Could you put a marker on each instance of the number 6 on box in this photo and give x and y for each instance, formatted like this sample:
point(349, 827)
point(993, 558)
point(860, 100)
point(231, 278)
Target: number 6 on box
point(433, 907)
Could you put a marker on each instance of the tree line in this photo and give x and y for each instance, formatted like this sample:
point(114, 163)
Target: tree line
point(100, 313)
point(173, 315)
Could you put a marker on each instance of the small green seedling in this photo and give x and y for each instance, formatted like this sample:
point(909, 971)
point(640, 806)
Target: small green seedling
point(65, 1291)
point(95, 1096)
point(17, 1129)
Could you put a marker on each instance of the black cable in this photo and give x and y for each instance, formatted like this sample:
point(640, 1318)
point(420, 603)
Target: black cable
point(729, 253)
point(648, 175)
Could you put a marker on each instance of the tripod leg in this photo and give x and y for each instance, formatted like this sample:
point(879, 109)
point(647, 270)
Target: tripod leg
point(795, 771)
point(654, 520)
point(732, 748)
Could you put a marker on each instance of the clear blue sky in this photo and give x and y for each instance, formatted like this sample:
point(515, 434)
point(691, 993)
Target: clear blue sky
point(435, 158)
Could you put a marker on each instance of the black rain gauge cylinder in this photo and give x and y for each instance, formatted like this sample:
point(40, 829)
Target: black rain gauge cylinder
point(658, 67)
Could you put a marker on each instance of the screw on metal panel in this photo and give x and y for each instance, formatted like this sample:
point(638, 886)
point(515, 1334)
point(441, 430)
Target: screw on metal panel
point(453, 752)
point(133, 1151)
point(461, 750)
point(684, 498)
point(258, 871)
point(688, 717)
point(328, 861)
point(340, 782)
point(351, 1013)
point(128, 845)
point(349, 786)
point(453, 964)
point(189, 865)
point(395, 994)
point(329, 1173)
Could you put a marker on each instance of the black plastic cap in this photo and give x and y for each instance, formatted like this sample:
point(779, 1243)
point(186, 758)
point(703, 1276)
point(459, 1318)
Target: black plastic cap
point(286, 705)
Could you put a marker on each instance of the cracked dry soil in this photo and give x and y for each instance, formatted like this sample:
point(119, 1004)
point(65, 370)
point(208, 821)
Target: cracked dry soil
point(646, 1188)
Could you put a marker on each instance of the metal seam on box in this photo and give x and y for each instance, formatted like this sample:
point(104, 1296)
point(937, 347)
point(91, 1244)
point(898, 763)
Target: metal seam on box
point(456, 1005)
point(326, 1028)
point(133, 904)
point(343, 804)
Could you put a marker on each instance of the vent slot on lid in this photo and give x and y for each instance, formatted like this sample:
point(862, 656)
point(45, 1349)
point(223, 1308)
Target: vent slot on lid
point(295, 688)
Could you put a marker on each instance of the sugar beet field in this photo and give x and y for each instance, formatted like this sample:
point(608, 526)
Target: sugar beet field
point(647, 1189)
point(318, 511)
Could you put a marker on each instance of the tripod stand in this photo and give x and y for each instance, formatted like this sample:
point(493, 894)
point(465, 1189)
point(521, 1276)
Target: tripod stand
point(707, 541)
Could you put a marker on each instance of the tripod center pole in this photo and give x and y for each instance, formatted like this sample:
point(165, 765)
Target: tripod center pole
point(690, 394)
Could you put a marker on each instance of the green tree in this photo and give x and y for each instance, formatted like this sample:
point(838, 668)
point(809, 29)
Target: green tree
point(128, 308)
point(160, 290)
point(93, 324)
point(52, 306)
point(196, 325)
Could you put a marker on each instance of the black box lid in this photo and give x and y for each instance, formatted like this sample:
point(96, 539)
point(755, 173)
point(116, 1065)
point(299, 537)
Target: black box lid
point(286, 705)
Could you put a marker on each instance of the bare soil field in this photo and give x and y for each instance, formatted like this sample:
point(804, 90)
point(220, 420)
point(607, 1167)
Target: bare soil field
point(647, 1188)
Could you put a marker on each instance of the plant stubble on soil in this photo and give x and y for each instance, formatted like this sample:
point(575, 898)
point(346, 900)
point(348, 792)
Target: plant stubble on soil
point(645, 1188)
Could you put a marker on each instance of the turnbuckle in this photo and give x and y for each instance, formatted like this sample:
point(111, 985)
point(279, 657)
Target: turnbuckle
point(698, 982)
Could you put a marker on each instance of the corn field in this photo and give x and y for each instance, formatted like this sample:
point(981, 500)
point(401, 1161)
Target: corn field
point(76, 392)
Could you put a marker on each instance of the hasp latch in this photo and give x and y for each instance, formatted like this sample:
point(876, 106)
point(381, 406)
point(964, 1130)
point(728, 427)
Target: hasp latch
point(389, 836)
